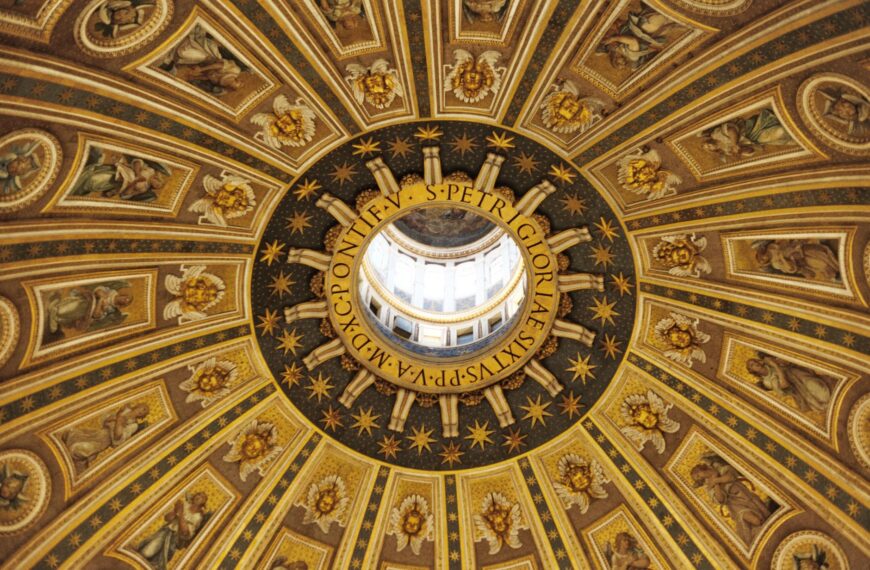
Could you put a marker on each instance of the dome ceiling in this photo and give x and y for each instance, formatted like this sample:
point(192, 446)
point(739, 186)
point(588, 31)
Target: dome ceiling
point(186, 376)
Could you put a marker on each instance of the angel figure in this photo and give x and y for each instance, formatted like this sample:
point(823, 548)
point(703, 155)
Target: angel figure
point(638, 39)
point(681, 254)
point(646, 420)
point(117, 427)
point(227, 198)
point(565, 111)
point(180, 526)
point(254, 448)
point(12, 483)
point(412, 522)
point(625, 553)
point(681, 338)
point(378, 85)
point(196, 291)
point(326, 502)
point(118, 17)
point(641, 172)
point(472, 80)
point(580, 481)
point(847, 110)
point(288, 124)
point(126, 178)
point(17, 165)
point(499, 522)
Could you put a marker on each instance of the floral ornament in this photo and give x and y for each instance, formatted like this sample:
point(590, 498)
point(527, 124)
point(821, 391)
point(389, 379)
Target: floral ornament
point(226, 198)
point(196, 292)
point(326, 502)
point(681, 255)
point(472, 80)
point(209, 381)
point(378, 85)
point(499, 522)
point(565, 111)
point(254, 448)
point(681, 335)
point(579, 481)
point(647, 419)
point(287, 125)
point(412, 523)
point(641, 172)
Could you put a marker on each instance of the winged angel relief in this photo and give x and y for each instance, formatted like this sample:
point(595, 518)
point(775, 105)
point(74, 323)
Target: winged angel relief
point(470, 79)
point(378, 85)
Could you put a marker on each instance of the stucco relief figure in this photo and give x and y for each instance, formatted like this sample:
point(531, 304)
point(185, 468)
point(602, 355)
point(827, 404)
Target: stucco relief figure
point(742, 137)
point(811, 391)
point(734, 494)
point(470, 79)
point(564, 110)
point(202, 61)
point(850, 111)
point(88, 308)
point(625, 553)
point(127, 177)
point(12, 482)
point(344, 15)
point(17, 165)
point(681, 254)
point(638, 39)
point(807, 258)
point(378, 85)
point(87, 443)
point(120, 17)
point(180, 526)
point(484, 10)
point(816, 559)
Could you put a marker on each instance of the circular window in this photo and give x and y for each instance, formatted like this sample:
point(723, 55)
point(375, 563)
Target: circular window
point(437, 279)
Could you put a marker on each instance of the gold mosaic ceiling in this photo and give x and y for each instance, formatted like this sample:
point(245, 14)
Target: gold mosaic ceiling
point(177, 391)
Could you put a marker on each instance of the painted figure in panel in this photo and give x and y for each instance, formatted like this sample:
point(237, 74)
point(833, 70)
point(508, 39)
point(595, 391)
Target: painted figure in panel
point(180, 526)
point(122, 176)
point(734, 494)
point(638, 39)
point(203, 62)
point(85, 444)
point(626, 553)
point(88, 307)
point(810, 259)
point(810, 391)
point(746, 136)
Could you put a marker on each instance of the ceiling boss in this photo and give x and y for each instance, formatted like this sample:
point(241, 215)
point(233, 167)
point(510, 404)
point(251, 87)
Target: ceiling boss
point(440, 297)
